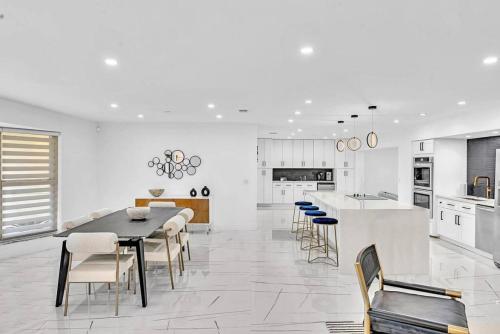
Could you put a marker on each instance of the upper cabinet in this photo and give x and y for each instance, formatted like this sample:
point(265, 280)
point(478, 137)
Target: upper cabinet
point(423, 147)
point(324, 154)
point(282, 153)
point(345, 159)
point(303, 153)
point(264, 153)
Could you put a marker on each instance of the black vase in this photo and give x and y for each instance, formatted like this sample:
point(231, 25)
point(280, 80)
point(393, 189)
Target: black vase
point(193, 192)
point(205, 191)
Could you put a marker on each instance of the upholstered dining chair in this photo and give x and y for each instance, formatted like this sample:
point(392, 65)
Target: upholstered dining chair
point(188, 215)
point(168, 248)
point(104, 265)
point(100, 213)
point(403, 312)
point(69, 224)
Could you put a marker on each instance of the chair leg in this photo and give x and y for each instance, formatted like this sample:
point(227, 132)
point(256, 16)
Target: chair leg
point(117, 296)
point(170, 270)
point(303, 229)
point(336, 244)
point(180, 264)
point(189, 252)
point(293, 217)
point(89, 287)
point(66, 298)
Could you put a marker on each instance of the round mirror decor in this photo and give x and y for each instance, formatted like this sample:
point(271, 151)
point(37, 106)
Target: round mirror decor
point(175, 164)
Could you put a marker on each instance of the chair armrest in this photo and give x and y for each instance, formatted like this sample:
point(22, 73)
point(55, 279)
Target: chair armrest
point(424, 288)
point(439, 327)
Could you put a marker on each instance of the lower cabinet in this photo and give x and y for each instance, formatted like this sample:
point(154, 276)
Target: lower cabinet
point(265, 185)
point(283, 193)
point(455, 224)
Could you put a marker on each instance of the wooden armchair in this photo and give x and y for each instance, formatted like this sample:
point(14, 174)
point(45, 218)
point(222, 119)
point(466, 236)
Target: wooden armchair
point(402, 312)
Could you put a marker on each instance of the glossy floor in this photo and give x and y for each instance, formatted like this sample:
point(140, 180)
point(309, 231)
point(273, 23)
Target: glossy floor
point(238, 282)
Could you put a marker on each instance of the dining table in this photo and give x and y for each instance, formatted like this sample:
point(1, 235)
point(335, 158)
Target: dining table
point(131, 233)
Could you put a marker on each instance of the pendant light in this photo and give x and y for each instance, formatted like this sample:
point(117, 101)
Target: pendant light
point(354, 143)
point(372, 138)
point(340, 142)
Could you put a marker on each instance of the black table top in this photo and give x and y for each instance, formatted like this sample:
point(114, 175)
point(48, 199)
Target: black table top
point(119, 223)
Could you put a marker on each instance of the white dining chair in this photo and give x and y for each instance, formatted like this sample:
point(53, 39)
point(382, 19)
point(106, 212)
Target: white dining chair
point(69, 224)
point(188, 215)
point(168, 248)
point(162, 204)
point(104, 265)
point(100, 213)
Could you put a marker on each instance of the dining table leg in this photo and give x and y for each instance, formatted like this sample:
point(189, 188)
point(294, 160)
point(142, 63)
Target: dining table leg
point(63, 274)
point(141, 266)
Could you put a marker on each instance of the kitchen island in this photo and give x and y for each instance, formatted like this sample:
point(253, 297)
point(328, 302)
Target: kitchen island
point(400, 231)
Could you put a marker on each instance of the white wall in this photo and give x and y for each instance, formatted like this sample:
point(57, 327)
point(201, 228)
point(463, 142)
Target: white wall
point(229, 167)
point(77, 153)
point(379, 170)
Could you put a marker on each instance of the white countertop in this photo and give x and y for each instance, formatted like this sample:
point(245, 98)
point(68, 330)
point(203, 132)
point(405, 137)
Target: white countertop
point(341, 201)
point(296, 181)
point(482, 201)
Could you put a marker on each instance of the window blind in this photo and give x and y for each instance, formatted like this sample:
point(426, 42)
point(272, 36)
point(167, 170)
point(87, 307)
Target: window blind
point(28, 173)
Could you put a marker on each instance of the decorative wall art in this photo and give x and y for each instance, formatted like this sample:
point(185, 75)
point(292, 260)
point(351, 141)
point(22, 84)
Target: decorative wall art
point(175, 164)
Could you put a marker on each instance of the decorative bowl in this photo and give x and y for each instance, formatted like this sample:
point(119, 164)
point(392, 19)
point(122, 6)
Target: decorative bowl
point(156, 192)
point(138, 213)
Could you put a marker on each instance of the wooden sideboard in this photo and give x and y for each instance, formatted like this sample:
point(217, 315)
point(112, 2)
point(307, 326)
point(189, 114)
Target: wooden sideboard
point(200, 206)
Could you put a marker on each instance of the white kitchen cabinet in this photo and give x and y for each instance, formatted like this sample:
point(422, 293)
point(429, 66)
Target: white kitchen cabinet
point(282, 155)
point(283, 192)
point(345, 180)
point(298, 192)
point(303, 153)
point(423, 147)
point(345, 159)
point(264, 185)
point(264, 152)
point(457, 221)
point(324, 153)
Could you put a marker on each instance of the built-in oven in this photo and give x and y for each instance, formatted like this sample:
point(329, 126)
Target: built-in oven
point(423, 199)
point(329, 186)
point(422, 173)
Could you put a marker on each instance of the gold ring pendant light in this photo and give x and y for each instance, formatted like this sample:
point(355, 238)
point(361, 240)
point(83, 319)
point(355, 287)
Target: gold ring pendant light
point(340, 142)
point(354, 143)
point(372, 138)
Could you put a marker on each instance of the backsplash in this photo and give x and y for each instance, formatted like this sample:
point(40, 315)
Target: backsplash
point(297, 174)
point(481, 157)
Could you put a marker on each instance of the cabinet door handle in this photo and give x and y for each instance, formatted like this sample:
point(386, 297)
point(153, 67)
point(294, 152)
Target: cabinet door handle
point(455, 219)
point(450, 204)
point(466, 208)
point(441, 215)
point(458, 220)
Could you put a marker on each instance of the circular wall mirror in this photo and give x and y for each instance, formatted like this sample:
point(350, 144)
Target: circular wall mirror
point(372, 140)
point(159, 172)
point(156, 160)
point(177, 156)
point(178, 174)
point(191, 170)
point(195, 161)
point(151, 163)
point(340, 145)
point(354, 143)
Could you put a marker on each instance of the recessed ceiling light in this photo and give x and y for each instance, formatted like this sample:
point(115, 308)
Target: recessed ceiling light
point(288, 137)
point(211, 106)
point(334, 135)
point(396, 121)
point(290, 120)
point(495, 132)
point(346, 130)
point(468, 136)
point(140, 116)
point(114, 105)
point(325, 137)
point(423, 114)
point(461, 103)
point(308, 101)
point(490, 60)
point(299, 130)
point(297, 112)
point(307, 50)
point(219, 116)
point(292, 134)
point(111, 62)
point(273, 133)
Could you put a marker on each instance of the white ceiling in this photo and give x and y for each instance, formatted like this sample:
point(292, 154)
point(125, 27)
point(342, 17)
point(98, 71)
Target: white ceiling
point(407, 57)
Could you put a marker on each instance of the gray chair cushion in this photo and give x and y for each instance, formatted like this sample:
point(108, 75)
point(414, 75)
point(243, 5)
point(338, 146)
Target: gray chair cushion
point(430, 308)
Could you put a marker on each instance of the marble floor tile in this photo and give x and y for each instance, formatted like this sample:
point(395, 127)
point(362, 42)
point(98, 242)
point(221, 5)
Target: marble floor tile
point(237, 282)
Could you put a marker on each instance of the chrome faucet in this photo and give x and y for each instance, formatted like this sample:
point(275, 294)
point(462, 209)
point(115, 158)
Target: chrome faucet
point(488, 184)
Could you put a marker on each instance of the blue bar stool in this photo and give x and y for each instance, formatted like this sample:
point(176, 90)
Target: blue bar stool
point(308, 214)
point(299, 204)
point(325, 222)
point(303, 222)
